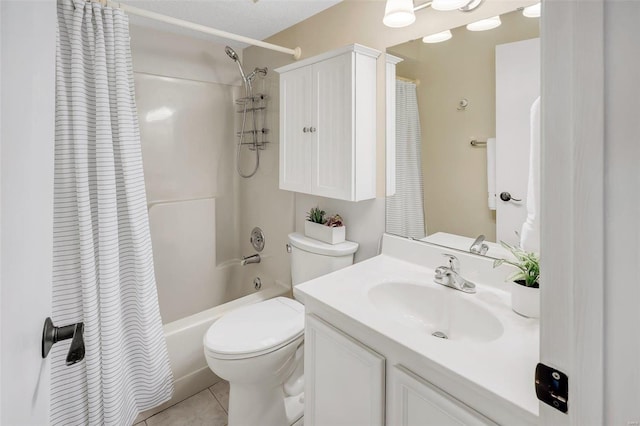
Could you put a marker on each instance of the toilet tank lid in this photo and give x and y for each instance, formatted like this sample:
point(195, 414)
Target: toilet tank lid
point(318, 247)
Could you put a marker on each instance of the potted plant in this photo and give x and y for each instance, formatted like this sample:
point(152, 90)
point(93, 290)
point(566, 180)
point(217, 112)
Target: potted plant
point(525, 282)
point(331, 230)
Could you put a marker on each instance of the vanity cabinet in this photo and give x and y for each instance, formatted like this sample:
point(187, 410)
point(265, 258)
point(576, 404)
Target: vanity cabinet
point(344, 380)
point(415, 402)
point(328, 124)
point(345, 385)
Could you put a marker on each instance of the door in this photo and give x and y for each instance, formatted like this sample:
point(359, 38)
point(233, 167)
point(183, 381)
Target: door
point(517, 87)
point(415, 402)
point(26, 206)
point(295, 124)
point(333, 116)
point(344, 380)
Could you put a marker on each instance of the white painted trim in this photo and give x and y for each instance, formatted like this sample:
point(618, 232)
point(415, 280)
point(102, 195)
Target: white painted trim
point(28, 132)
point(572, 241)
point(390, 143)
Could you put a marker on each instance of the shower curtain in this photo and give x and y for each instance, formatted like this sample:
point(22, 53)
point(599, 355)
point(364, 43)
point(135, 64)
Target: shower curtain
point(102, 264)
point(405, 209)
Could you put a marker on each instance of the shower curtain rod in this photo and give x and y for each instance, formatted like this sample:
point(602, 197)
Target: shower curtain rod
point(197, 27)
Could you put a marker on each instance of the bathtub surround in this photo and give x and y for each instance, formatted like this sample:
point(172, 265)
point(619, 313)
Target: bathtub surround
point(185, 92)
point(103, 264)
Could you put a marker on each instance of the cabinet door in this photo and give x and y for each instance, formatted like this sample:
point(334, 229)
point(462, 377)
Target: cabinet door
point(415, 402)
point(295, 116)
point(333, 116)
point(344, 380)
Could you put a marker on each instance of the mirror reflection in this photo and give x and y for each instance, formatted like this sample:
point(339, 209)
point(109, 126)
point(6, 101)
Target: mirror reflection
point(464, 113)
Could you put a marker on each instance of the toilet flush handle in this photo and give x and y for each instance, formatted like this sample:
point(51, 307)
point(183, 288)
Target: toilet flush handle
point(288, 248)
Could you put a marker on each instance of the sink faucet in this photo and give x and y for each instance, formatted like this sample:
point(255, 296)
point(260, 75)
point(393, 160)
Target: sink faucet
point(478, 246)
point(450, 276)
point(254, 258)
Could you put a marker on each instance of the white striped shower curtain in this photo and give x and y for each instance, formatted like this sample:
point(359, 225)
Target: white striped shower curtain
point(103, 265)
point(405, 209)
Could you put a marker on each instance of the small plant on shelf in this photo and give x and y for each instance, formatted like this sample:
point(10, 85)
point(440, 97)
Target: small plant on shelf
point(528, 264)
point(330, 230)
point(316, 215)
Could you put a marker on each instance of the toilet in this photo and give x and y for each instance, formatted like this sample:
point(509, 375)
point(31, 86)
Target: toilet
point(259, 349)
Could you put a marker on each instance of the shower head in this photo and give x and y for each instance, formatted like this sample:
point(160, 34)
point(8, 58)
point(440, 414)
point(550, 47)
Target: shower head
point(231, 53)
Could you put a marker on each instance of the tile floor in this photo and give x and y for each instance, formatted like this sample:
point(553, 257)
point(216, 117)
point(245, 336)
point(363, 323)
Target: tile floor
point(208, 407)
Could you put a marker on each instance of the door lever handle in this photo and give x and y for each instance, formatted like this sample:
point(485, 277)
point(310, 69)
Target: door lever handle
point(52, 335)
point(505, 196)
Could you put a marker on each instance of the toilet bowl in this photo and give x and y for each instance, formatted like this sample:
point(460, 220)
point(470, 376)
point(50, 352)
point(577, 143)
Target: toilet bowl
point(259, 348)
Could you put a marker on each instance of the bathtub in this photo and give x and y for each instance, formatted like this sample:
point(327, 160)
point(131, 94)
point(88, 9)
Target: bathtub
point(184, 344)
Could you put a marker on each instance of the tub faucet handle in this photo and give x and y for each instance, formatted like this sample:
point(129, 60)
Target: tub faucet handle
point(254, 258)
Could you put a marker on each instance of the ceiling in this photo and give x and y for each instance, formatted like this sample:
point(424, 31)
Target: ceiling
point(243, 17)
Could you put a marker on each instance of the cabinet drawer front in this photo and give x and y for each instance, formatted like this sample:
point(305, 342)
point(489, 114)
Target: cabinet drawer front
point(415, 402)
point(344, 380)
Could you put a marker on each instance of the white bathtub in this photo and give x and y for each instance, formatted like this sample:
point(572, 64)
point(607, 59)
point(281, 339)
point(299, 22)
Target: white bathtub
point(184, 343)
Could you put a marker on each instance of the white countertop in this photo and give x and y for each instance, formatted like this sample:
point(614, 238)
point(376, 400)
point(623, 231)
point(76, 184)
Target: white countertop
point(504, 367)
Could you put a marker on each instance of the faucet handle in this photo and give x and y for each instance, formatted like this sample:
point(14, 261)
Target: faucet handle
point(454, 263)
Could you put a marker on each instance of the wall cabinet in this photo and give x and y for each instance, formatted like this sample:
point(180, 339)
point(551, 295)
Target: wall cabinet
point(345, 385)
point(328, 124)
point(344, 380)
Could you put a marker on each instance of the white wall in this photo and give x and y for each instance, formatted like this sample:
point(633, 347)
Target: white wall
point(364, 220)
point(622, 212)
point(280, 212)
point(28, 34)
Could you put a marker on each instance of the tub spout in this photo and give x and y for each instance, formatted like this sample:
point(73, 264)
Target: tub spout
point(254, 258)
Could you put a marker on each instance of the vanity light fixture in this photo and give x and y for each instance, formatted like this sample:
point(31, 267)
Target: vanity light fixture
point(401, 13)
point(398, 13)
point(532, 11)
point(437, 37)
point(448, 4)
point(485, 24)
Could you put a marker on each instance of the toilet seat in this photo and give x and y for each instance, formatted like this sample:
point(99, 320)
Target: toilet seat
point(255, 330)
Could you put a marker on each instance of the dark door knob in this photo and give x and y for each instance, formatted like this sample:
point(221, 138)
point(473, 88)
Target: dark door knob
point(505, 196)
point(52, 334)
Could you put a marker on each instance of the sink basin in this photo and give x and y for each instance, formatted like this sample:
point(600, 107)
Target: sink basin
point(437, 311)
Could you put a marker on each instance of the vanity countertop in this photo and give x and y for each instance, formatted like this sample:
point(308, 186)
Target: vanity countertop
point(501, 368)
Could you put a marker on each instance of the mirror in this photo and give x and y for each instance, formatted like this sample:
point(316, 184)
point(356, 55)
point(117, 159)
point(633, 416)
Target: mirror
point(476, 86)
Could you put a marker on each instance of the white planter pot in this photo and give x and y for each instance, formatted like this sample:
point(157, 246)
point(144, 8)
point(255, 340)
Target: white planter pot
point(525, 300)
point(324, 233)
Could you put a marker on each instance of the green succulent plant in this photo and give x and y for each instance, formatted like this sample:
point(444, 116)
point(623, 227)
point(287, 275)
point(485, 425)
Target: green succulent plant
point(528, 265)
point(316, 215)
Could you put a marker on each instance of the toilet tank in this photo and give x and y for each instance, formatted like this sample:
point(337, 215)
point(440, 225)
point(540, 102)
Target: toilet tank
point(312, 258)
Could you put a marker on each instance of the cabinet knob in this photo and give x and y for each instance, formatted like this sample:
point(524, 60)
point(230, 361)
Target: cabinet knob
point(312, 129)
point(306, 129)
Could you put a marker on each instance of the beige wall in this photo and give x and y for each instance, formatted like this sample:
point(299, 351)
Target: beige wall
point(348, 22)
point(455, 174)
point(357, 21)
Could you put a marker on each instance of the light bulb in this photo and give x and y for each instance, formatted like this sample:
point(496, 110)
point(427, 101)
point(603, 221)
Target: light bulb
point(398, 13)
point(438, 37)
point(532, 11)
point(485, 24)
